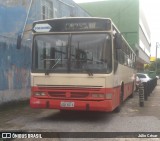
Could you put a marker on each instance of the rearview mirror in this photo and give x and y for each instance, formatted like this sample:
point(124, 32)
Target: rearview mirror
point(118, 41)
point(19, 41)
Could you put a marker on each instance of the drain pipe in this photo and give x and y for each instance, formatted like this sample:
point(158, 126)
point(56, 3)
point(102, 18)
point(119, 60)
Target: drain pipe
point(26, 18)
point(20, 37)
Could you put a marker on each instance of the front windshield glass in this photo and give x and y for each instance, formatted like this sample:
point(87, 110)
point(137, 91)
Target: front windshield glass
point(72, 53)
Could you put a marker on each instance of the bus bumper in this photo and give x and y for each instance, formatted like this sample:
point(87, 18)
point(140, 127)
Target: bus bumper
point(103, 105)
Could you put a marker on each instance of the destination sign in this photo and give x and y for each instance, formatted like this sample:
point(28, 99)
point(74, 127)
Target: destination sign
point(42, 28)
point(72, 25)
point(80, 26)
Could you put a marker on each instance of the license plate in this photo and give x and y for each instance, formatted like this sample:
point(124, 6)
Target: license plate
point(67, 104)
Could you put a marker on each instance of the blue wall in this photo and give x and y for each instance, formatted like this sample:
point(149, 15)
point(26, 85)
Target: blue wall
point(15, 63)
point(9, 18)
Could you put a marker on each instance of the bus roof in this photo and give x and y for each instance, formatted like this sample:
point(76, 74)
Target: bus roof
point(65, 18)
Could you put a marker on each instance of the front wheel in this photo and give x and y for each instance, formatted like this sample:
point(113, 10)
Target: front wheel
point(132, 94)
point(118, 109)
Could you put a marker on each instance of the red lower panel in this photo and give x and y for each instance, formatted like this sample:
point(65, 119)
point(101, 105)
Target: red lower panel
point(105, 105)
point(81, 98)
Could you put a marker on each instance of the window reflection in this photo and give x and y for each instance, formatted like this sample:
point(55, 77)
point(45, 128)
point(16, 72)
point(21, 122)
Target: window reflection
point(74, 53)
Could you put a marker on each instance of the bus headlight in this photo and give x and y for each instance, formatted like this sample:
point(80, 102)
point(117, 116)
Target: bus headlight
point(108, 96)
point(98, 95)
point(39, 94)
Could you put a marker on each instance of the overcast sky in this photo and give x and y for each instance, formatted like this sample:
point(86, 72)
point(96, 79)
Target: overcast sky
point(152, 12)
point(151, 9)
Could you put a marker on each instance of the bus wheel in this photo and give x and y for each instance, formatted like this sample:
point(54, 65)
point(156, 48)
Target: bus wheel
point(118, 109)
point(132, 94)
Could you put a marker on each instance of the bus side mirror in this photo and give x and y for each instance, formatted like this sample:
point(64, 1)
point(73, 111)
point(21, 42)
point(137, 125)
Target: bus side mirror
point(118, 41)
point(19, 41)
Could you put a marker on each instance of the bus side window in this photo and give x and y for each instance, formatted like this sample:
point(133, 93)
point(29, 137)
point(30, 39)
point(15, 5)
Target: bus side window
point(126, 60)
point(121, 57)
point(116, 52)
point(116, 55)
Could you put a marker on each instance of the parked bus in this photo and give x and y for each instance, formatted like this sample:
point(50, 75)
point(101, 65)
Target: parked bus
point(80, 64)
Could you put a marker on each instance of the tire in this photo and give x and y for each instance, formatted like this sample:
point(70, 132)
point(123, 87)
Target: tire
point(132, 95)
point(118, 109)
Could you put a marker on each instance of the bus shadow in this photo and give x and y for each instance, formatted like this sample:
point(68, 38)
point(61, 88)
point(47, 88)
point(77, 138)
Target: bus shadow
point(78, 116)
point(88, 116)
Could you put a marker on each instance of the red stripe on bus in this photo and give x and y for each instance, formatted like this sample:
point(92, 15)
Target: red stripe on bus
point(81, 97)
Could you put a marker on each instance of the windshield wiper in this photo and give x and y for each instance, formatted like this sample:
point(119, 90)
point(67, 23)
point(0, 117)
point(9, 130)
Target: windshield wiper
point(57, 61)
point(48, 70)
point(89, 72)
point(83, 62)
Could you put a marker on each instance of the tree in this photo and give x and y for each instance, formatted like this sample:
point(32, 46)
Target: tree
point(152, 66)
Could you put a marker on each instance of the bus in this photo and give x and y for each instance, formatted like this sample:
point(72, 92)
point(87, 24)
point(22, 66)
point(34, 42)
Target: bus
point(80, 63)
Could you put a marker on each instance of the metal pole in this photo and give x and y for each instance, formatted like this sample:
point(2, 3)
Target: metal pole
point(26, 18)
point(157, 45)
point(141, 95)
point(156, 55)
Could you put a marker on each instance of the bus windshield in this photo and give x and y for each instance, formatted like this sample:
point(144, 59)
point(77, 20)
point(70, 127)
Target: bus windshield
point(72, 53)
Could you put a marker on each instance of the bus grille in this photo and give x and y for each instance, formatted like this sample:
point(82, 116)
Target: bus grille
point(69, 94)
point(79, 95)
point(57, 94)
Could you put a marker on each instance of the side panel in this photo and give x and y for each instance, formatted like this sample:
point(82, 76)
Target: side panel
point(127, 77)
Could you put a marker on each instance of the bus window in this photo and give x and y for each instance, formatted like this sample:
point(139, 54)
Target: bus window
point(50, 52)
point(121, 57)
point(91, 51)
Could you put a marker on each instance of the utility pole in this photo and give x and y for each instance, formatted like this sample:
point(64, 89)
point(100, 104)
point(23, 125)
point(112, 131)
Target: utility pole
point(20, 36)
point(157, 45)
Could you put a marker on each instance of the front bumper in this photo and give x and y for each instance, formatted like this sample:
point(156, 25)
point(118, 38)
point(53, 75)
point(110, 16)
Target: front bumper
point(103, 105)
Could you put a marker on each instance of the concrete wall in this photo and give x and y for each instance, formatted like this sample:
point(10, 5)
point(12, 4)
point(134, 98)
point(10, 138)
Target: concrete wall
point(15, 63)
point(144, 38)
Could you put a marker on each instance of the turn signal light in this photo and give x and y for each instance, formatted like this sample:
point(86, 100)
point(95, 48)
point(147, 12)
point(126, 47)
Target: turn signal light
point(39, 94)
point(98, 95)
point(108, 96)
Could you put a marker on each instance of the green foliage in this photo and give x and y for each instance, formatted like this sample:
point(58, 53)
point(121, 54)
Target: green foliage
point(152, 67)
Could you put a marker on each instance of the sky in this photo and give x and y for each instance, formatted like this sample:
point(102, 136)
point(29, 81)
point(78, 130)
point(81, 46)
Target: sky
point(152, 13)
point(151, 10)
